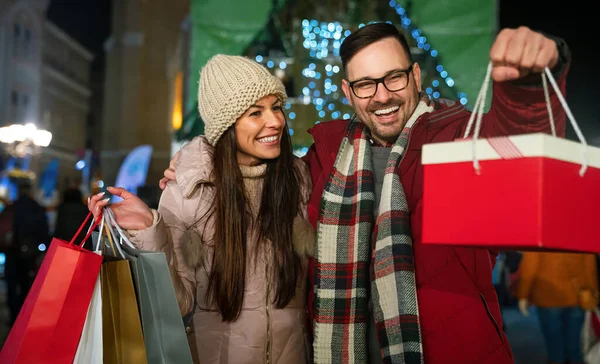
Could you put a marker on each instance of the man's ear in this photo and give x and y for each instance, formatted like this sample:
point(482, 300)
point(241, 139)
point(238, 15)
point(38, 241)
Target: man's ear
point(416, 71)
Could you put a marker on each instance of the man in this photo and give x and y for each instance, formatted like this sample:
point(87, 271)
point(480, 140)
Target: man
point(69, 215)
point(6, 223)
point(29, 230)
point(378, 294)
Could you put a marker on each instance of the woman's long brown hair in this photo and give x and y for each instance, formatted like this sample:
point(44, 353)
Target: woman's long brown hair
point(280, 204)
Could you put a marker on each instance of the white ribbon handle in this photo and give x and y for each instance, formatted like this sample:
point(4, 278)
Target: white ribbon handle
point(100, 232)
point(117, 246)
point(574, 124)
point(477, 115)
point(122, 236)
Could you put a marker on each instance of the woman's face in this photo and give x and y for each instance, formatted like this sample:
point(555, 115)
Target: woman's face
point(258, 132)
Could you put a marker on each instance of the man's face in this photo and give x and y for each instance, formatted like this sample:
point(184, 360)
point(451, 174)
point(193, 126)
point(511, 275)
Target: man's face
point(385, 113)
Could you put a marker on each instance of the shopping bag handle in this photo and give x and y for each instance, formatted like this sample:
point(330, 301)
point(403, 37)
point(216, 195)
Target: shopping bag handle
point(90, 230)
point(477, 115)
point(91, 226)
point(99, 242)
point(122, 236)
point(116, 248)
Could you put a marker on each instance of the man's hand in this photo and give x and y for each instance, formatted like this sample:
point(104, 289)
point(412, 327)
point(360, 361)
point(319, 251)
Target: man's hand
point(524, 306)
point(516, 53)
point(169, 174)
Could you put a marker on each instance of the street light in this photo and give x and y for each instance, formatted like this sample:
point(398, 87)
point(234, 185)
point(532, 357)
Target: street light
point(20, 140)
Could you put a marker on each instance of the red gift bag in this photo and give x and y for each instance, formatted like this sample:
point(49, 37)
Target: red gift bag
point(49, 325)
point(525, 192)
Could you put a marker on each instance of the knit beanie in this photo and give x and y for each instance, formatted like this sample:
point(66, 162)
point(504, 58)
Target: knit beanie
point(228, 86)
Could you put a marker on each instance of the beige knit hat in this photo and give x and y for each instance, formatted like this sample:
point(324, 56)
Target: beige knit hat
point(228, 86)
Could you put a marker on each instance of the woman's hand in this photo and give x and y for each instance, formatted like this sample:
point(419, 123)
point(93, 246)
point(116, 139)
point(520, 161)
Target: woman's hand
point(130, 214)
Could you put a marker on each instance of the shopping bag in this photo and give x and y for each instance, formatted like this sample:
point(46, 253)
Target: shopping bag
point(90, 348)
point(49, 325)
point(590, 340)
point(525, 192)
point(162, 324)
point(122, 336)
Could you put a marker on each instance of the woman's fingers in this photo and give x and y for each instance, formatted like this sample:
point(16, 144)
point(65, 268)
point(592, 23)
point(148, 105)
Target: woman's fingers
point(96, 203)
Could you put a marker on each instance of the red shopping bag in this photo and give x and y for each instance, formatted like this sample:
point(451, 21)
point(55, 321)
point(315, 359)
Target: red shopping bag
point(49, 325)
point(525, 192)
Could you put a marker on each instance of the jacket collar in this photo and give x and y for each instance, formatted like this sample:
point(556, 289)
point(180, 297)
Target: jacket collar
point(328, 135)
point(194, 165)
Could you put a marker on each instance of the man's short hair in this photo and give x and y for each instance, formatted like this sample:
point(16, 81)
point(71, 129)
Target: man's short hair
point(368, 35)
point(24, 188)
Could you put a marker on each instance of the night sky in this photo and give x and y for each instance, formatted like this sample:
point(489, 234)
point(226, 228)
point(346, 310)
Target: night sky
point(576, 24)
point(88, 21)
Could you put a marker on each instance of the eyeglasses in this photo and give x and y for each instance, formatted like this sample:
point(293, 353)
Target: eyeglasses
point(395, 81)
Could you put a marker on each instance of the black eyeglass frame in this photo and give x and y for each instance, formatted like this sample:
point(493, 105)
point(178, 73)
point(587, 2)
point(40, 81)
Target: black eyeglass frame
point(382, 81)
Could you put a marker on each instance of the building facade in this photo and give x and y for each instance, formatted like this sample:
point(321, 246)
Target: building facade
point(144, 61)
point(44, 80)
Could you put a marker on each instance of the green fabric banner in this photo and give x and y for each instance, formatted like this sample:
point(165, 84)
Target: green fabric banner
point(462, 32)
point(219, 26)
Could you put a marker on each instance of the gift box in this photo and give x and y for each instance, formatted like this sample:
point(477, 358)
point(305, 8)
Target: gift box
point(524, 192)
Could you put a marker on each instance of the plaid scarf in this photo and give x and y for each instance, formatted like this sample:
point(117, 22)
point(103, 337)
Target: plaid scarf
point(344, 234)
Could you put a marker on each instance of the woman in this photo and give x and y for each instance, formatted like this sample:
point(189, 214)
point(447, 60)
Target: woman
point(233, 225)
point(562, 286)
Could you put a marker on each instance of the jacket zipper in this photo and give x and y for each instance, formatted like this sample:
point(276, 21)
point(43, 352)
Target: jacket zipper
point(485, 304)
point(489, 312)
point(268, 314)
point(484, 301)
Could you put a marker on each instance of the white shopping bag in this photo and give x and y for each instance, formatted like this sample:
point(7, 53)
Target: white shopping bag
point(589, 341)
point(89, 350)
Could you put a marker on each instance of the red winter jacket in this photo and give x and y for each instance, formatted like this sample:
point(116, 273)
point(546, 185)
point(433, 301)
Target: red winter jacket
point(460, 317)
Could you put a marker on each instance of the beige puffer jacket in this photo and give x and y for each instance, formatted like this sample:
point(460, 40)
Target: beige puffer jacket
point(183, 230)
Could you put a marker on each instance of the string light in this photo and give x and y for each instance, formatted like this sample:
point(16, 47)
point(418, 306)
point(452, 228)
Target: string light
point(417, 34)
point(323, 40)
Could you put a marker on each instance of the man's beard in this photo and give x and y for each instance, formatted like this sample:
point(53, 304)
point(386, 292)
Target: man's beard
point(389, 132)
